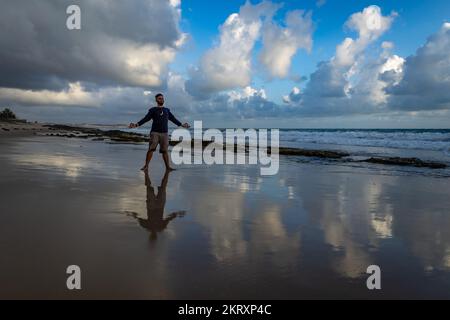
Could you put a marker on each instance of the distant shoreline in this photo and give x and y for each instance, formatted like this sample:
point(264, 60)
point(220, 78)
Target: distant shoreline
point(13, 128)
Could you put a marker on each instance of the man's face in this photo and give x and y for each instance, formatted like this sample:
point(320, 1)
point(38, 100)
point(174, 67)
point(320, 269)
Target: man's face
point(160, 100)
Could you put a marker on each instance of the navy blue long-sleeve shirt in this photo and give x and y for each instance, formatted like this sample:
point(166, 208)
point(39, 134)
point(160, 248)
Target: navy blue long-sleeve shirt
point(160, 117)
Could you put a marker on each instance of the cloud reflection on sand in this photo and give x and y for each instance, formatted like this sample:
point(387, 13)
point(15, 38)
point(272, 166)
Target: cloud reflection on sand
point(310, 227)
point(71, 167)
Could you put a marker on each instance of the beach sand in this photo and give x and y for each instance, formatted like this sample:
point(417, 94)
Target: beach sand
point(226, 232)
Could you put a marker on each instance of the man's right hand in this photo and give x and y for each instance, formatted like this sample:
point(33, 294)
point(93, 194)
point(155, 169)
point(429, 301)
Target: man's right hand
point(133, 125)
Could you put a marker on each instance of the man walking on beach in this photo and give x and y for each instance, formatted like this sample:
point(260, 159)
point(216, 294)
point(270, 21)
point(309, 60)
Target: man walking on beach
point(159, 133)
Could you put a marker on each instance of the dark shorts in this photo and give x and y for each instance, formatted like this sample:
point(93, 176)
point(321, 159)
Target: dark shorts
point(159, 138)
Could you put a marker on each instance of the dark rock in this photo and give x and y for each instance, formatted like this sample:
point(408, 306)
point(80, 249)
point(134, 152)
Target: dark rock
point(115, 135)
point(285, 151)
point(204, 143)
point(313, 153)
point(411, 162)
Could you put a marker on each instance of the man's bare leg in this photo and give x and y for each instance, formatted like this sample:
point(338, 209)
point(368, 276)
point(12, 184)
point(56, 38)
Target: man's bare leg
point(167, 162)
point(147, 160)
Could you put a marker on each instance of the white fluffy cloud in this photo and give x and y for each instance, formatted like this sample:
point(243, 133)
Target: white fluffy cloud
point(370, 25)
point(373, 82)
point(228, 65)
point(281, 44)
point(349, 82)
point(246, 93)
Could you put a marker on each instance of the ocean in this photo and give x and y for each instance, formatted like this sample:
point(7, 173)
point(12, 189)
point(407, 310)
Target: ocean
point(425, 144)
point(433, 144)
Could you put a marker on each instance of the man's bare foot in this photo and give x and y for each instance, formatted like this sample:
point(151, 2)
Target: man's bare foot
point(144, 168)
point(169, 169)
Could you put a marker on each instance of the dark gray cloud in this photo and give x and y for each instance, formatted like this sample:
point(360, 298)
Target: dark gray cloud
point(120, 43)
point(426, 78)
point(255, 106)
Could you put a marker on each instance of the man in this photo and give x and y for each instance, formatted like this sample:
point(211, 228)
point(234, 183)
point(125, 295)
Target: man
point(159, 133)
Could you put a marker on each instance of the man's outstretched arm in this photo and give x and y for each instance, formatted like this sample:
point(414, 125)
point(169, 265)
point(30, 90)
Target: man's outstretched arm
point(177, 122)
point(144, 120)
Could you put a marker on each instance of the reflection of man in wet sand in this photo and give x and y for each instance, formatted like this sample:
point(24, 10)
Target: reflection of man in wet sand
point(155, 221)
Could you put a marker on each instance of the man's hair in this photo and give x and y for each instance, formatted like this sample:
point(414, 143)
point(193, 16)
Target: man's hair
point(159, 95)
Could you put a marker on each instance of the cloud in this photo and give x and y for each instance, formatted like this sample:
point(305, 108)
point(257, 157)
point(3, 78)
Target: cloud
point(120, 43)
point(374, 78)
point(354, 84)
point(344, 83)
point(370, 25)
point(244, 103)
point(425, 82)
point(320, 3)
point(387, 85)
point(75, 95)
point(247, 92)
point(117, 69)
point(281, 44)
point(293, 97)
point(251, 103)
point(228, 65)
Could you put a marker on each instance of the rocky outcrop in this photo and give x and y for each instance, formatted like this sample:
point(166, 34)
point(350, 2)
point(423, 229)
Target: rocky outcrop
point(410, 162)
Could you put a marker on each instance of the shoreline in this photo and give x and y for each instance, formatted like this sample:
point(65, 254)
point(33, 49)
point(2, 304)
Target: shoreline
point(23, 128)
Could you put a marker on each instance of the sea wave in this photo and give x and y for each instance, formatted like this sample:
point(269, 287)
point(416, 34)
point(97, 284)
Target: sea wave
point(417, 140)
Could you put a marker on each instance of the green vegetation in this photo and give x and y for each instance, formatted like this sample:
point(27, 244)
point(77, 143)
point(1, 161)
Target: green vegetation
point(7, 115)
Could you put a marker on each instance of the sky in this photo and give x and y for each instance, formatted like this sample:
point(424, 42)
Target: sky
point(274, 64)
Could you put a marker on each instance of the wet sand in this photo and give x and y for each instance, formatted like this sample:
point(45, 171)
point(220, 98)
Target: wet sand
point(219, 232)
